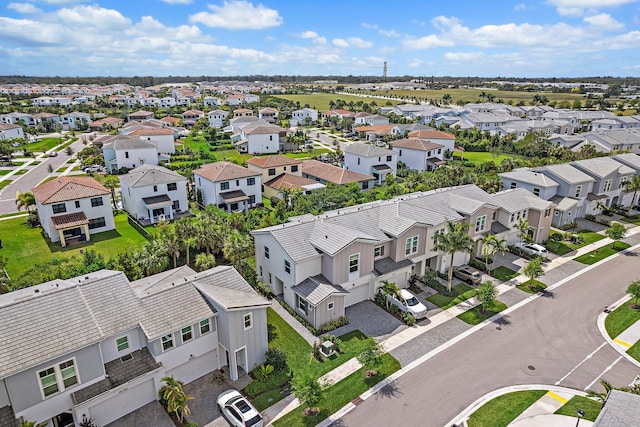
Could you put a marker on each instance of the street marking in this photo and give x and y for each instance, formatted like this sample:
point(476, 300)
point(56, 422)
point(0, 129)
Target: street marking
point(622, 343)
point(603, 372)
point(583, 360)
point(557, 397)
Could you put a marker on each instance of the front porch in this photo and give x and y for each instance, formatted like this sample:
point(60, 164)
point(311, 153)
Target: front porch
point(234, 201)
point(72, 228)
point(145, 222)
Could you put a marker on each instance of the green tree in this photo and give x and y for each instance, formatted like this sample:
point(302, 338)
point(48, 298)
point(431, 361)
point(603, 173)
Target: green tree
point(523, 229)
point(307, 389)
point(169, 240)
point(616, 231)
point(69, 151)
point(205, 261)
point(25, 200)
point(634, 290)
point(454, 239)
point(152, 258)
point(174, 399)
point(389, 288)
point(371, 356)
point(237, 246)
point(491, 245)
point(632, 185)
point(487, 294)
point(534, 269)
point(112, 182)
point(185, 231)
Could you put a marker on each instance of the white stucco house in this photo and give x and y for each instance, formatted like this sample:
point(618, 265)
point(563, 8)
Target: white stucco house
point(371, 160)
point(152, 193)
point(228, 186)
point(259, 138)
point(161, 137)
point(72, 208)
point(303, 116)
point(125, 152)
point(217, 118)
point(10, 131)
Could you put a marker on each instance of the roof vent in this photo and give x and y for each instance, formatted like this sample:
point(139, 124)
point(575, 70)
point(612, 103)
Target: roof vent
point(35, 291)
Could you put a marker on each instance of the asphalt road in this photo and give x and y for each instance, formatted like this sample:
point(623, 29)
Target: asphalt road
point(552, 340)
point(26, 182)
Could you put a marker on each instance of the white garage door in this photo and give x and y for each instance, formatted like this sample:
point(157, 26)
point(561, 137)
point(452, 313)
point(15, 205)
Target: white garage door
point(357, 294)
point(196, 367)
point(124, 402)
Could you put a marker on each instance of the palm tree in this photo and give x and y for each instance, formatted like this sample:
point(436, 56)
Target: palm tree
point(112, 182)
point(152, 258)
point(25, 200)
point(389, 288)
point(237, 246)
point(523, 229)
point(173, 397)
point(185, 230)
point(491, 245)
point(455, 239)
point(632, 185)
point(601, 396)
point(533, 270)
point(205, 261)
point(169, 240)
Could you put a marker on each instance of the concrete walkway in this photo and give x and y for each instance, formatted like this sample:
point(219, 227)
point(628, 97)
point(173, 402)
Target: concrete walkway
point(293, 322)
point(290, 403)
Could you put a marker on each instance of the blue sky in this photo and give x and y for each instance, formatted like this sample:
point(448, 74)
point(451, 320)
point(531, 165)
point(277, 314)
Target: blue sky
point(541, 38)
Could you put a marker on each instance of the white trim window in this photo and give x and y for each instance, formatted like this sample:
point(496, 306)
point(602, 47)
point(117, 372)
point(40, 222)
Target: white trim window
point(607, 185)
point(287, 266)
point(481, 222)
point(378, 251)
point(354, 264)
point(303, 305)
point(330, 305)
point(247, 320)
point(167, 342)
point(58, 378)
point(411, 246)
point(205, 326)
point(122, 343)
point(578, 190)
point(187, 334)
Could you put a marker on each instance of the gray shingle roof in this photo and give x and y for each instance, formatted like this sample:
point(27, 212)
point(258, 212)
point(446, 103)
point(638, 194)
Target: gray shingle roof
point(387, 265)
point(629, 159)
point(602, 167)
point(621, 409)
point(228, 288)
point(565, 172)
point(146, 174)
point(530, 177)
point(315, 289)
point(516, 199)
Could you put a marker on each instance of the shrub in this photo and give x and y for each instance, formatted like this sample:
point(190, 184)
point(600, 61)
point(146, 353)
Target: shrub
point(275, 380)
point(557, 237)
point(476, 263)
point(333, 324)
point(393, 309)
point(191, 424)
point(571, 226)
point(590, 217)
point(299, 318)
point(408, 318)
point(264, 290)
point(263, 371)
point(380, 299)
point(276, 358)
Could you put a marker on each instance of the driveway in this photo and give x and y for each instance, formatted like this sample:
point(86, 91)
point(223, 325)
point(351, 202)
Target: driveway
point(371, 320)
point(151, 414)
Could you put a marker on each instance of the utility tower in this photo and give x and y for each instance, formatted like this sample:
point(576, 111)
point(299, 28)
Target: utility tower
point(384, 71)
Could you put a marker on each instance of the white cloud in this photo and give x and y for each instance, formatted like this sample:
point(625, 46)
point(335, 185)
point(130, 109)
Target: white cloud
point(577, 7)
point(238, 15)
point(463, 56)
point(177, 1)
point(426, 42)
point(23, 7)
point(415, 62)
point(520, 7)
point(313, 36)
point(359, 43)
point(386, 33)
point(340, 43)
point(93, 16)
point(605, 21)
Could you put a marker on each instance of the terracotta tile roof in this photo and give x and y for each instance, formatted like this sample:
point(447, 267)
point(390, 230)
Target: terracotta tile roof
point(141, 113)
point(152, 131)
point(272, 161)
point(332, 173)
point(431, 134)
point(289, 181)
point(72, 220)
point(67, 188)
point(415, 144)
point(378, 129)
point(170, 119)
point(192, 113)
point(223, 171)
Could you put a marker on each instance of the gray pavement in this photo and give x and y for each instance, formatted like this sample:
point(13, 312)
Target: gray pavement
point(151, 414)
point(371, 320)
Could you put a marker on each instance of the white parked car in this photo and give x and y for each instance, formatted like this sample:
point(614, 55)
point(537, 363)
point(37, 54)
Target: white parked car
point(533, 249)
point(409, 302)
point(238, 410)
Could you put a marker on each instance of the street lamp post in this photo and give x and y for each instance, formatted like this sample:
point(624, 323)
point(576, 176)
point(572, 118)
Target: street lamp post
point(580, 415)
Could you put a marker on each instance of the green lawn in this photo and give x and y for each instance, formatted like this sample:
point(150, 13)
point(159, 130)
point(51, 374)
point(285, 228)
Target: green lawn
point(504, 274)
point(564, 247)
point(4, 183)
point(479, 157)
point(338, 395)
point(620, 319)
point(475, 315)
point(44, 144)
point(590, 407)
point(535, 287)
point(600, 254)
point(634, 351)
point(320, 101)
point(5, 171)
point(24, 246)
point(635, 219)
point(463, 293)
point(502, 410)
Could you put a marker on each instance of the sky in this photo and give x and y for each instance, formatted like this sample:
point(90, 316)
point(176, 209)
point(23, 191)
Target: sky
point(496, 38)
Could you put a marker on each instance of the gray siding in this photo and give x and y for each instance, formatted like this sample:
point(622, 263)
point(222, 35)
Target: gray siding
point(4, 398)
point(110, 350)
point(322, 312)
point(24, 387)
point(401, 243)
point(339, 264)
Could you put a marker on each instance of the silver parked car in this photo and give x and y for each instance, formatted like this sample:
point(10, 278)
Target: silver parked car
point(468, 274)
point(533, 249)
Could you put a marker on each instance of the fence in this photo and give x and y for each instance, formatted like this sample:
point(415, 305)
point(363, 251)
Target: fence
point(135, 224)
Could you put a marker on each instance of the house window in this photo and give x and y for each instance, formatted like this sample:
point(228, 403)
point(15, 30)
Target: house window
point(172, 186)
point(97, 223)
point(224, 185)
point(354, 263)
point(607, 185)
point(400, 153)
point(175, 205)
point(536, 191)
point(266, 252)
point(514, 185)
point(547, 212)
point(248, 321)
point(294, 168)
point(252, 199)
point(59, 208)
point(388, 158)
point(287, 266)
point(272, 171)
point(187, 334)
point(205, 326)
point(251, 181)
point(58, 378)
point(480, 223)
point(97, 201)
point(126, 154)
point(77, 204)
point(493, 216)
point(237, 183)
point(358, 160)
point(270, 282)
point(122, 343)
point(578, 190)
point(365, 185)
point(167, 342)
point(303, 305)
point(378, 251)
point(330, 305)
point(270, 137)
point(411, 246)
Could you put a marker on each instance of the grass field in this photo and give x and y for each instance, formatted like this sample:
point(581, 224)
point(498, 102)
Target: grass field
point(24, 246)
point(620, 319)
point(533, 287)
point(499, 412)
point(476, 315)
point(320, 101)
point(479, 157)
point(602, 253)
point(463, 293)
point(590, 407)
point(44, 144)
point(504, 274)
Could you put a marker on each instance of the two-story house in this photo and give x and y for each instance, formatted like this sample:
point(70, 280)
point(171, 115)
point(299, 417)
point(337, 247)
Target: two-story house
point(303, 116)
point(325, 173)
point(151, 193)
point(371, 160)
point(259, 137)
point(140, 115)
point(610, 177)
point(217, 118)
point(419, 154)
point(72, 208)
point(190, 117)
point(98, 346)
point(279, 173)
point(322, 264)
point(8, 131)
point(75, 120)
point(228, 186)
point(161, 137)
point(268, 114)
point(124, 152)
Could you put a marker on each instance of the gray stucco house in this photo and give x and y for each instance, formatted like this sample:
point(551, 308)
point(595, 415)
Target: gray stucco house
point(98, 345)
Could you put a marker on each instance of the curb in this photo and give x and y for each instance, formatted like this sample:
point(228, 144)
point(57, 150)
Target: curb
point(603, 331)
